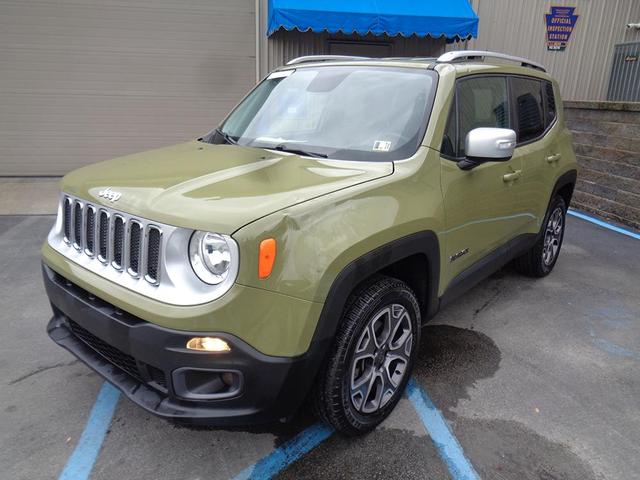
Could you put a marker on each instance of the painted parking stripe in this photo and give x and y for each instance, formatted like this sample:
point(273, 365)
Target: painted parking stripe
point(448, 446)
point(602, 223)
point(83, 458)
point(287, 453)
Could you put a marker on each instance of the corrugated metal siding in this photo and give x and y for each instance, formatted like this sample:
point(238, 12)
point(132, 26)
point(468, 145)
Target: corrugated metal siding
point(624, 84)
point(86, 80)
point(518, 27)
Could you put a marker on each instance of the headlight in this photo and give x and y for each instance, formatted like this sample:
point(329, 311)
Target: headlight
point(210, 257)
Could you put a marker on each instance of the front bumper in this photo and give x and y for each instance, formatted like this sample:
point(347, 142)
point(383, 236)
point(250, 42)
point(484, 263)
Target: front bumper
point(145, 361)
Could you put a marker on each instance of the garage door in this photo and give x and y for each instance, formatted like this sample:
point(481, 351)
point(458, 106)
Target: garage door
point(87, 80)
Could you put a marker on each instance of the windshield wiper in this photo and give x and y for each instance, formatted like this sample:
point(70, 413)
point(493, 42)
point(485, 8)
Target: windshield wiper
point(283, 148)
point(226, 137)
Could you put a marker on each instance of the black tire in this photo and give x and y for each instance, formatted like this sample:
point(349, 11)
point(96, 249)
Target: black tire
point(536, 261)
point(369, 307)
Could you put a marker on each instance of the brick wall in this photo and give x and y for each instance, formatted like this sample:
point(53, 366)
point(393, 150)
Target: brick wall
point(606, 139)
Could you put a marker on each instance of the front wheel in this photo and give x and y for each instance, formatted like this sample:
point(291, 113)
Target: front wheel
point(371, 359)
point(542, 257)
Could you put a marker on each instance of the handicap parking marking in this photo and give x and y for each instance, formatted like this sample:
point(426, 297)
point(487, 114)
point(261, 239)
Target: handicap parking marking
point(446, 443)
point(84, 456)
point(287, 453)
point(602, 223)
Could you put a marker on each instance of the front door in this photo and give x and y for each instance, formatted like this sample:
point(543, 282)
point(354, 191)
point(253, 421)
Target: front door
point(479, 203)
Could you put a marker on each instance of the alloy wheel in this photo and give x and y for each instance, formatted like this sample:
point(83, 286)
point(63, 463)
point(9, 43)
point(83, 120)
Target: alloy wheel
point(381, 358)
point(553, 236)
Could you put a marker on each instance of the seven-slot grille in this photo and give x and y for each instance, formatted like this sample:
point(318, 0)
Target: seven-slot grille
point(124, 244)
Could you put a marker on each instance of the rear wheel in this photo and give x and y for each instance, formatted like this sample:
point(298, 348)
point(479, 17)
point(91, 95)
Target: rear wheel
point(542, 257)
point(371, 359)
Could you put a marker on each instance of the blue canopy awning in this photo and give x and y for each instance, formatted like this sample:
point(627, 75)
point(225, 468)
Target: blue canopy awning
point(436, 18)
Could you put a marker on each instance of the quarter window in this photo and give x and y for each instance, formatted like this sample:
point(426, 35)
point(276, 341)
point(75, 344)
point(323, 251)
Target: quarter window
point(527, 94)
point(551, 104)
point(448, 148)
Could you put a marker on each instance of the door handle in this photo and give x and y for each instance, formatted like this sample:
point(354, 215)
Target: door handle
point(510, 177)
point(554, 158)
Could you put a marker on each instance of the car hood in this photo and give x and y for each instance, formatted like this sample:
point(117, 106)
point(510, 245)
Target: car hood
point(215, 187)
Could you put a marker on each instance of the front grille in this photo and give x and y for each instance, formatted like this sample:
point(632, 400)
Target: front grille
point(77, 225)
point(118, 242)
point(116, 238)
point(118, 358)
point(90, 230)
point(104, 235)
point(135, 236)
point(66, 213)
point(154, 254)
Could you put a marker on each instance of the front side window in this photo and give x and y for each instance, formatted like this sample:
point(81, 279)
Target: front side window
point(527, 94)
point(481, 102)
point(343, 112)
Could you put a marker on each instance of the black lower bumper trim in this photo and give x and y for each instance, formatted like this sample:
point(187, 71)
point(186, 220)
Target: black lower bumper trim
point(139, 358)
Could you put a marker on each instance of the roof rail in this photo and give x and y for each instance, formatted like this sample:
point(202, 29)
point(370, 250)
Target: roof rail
point(323, 58)
point(462, 55)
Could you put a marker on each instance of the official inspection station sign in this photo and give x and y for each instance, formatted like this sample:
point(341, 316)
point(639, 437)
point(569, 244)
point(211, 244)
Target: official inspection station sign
point(560, 23)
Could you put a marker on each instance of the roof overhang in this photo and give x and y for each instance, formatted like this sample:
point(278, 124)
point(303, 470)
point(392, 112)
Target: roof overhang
point(452, 19)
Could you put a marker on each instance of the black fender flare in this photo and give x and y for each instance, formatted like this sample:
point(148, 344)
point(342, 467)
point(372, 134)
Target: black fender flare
point(357, 271)
point(568, 178)
point(424, 242)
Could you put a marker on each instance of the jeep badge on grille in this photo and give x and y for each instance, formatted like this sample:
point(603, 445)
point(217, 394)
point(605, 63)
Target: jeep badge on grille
point(109, 194)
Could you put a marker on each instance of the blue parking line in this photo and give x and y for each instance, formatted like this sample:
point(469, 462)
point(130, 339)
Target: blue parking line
point(450, 450)
point(602, 223)
point(84, 456)
point(287, 453)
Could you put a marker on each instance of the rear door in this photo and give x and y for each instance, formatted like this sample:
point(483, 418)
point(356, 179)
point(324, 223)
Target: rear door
point(534, 109)
point(478, 203)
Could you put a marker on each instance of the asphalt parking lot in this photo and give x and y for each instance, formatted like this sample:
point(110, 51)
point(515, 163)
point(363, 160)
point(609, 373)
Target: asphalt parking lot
point(537, 379)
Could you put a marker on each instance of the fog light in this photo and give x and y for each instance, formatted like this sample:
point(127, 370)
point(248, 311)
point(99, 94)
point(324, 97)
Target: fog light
point(208, 344)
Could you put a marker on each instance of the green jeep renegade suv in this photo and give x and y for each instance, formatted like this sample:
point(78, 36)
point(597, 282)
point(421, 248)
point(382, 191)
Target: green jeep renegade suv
point(297, 250)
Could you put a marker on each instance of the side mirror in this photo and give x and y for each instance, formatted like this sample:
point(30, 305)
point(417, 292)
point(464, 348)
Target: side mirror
point(487, 145)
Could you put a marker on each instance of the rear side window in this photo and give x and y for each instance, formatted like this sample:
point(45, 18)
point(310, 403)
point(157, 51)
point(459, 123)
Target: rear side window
point(529, 105)
point(479, 102)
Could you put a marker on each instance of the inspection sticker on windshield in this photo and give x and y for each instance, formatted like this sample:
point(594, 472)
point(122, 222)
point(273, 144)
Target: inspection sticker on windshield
point(381, 146)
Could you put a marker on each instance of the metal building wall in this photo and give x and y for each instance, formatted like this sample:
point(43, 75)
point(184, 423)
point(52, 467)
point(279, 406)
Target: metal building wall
point(624, 83)
point(518, 27)
point(88, 80)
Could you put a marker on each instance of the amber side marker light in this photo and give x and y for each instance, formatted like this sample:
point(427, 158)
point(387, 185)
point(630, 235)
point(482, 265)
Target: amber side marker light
point(267, 256)
point(208, 344)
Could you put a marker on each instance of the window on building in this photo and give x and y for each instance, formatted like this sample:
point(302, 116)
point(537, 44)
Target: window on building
point(361, 49)
point(527, 94)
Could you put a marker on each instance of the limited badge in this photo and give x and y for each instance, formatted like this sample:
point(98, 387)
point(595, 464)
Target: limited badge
point(381, 146)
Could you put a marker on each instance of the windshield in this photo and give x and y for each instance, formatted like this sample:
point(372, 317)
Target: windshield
point(342, 112)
